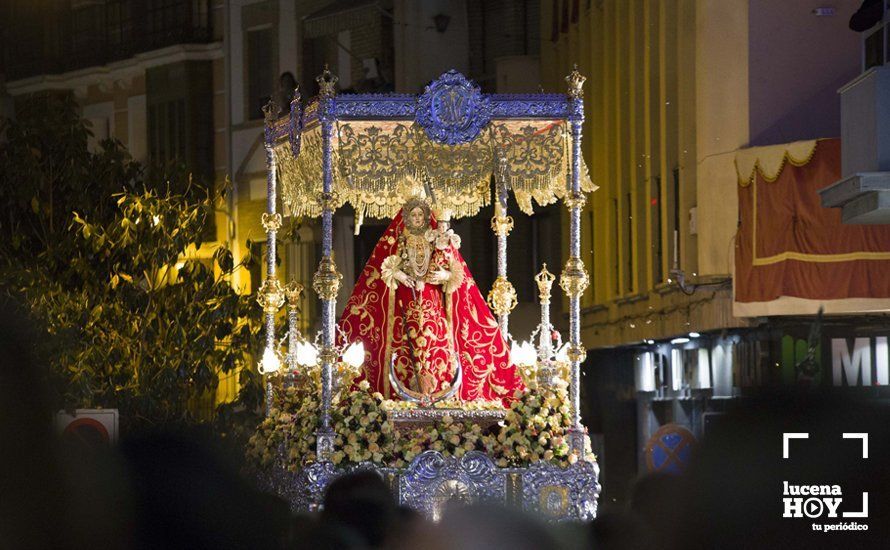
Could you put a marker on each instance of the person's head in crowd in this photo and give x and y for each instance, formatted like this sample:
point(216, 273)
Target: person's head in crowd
point(733, 491)
point(31, 482)
point(654, 501)
point(619, 530)
point(186, 495)
point(320, 535)
point(362, 502)
point(485, 526)
point(51, 490)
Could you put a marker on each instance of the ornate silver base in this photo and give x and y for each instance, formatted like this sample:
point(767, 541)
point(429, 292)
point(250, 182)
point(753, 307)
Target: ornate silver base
point(432, 480)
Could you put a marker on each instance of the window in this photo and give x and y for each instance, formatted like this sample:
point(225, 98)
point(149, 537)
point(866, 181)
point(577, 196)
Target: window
point(260, 78)
point(873, 46)
point(166, 18)
point(84, 27)
point(675, 205)
point(616, 252)
point(657, 249)
point(258, 268)
point(87, 34)
point(167, 132)
point(629, 245)
point(117, 13)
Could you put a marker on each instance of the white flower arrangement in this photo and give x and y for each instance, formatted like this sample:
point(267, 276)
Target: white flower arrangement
point(534, 429)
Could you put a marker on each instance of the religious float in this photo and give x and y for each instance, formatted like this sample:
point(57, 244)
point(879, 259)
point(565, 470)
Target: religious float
point(418, 381)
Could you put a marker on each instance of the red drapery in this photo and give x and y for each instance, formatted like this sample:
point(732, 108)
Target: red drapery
point(788, 245)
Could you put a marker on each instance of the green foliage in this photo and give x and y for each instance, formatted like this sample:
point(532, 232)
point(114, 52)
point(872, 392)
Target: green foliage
point(107, 265)
point(48, 172)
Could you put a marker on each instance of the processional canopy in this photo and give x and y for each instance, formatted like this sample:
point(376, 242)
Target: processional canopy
point(450, 141)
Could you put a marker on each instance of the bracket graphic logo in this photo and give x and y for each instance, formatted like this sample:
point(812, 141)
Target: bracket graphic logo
point(821, 500)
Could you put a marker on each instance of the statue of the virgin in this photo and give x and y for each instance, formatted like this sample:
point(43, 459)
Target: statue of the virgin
point(421, 317)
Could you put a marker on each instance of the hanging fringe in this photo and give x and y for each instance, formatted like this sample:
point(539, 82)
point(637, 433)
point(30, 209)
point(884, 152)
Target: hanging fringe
point(377, 165)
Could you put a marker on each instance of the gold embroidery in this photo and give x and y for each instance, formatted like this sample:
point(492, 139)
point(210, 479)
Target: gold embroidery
point(376, 164)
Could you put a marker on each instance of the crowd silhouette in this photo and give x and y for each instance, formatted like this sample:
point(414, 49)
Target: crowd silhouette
point(183, 489)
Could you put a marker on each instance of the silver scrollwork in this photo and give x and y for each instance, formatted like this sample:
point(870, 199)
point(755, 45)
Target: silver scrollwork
point(421, 485)
point(431, 481)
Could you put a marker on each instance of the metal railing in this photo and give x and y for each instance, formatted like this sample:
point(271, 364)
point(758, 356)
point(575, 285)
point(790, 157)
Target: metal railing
point(94, 34)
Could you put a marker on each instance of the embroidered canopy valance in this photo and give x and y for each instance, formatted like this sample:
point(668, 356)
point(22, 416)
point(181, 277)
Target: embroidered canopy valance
point(452, 142)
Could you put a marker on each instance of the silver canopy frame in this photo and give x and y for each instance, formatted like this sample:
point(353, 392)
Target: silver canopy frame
point(451, 111)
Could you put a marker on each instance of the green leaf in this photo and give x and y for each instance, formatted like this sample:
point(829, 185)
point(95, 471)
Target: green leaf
point(108, 343)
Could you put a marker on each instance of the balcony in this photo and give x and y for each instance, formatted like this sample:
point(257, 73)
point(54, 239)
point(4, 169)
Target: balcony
point(863, 193)
point(89, 34)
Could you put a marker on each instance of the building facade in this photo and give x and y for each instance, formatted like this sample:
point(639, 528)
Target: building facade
point(704, 130)
point(185, 81)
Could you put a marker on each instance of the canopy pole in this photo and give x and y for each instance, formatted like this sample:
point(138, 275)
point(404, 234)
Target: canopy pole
point(574, 279)
point(326, 281)
point(271, 294)
point(502, 296)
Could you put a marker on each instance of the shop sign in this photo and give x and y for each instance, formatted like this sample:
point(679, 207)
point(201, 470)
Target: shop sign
point(864, 363)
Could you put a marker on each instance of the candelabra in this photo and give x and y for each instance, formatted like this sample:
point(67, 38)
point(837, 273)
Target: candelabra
point(293, 292)
point(303, 356)
point(543, 365)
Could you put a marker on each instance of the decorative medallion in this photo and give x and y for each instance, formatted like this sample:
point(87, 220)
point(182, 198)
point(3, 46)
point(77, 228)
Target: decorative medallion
point(448, 493)
point(324, 448)
point(561, 494)
point(270, 112)
point(544, 279)
point(452, 109)
point(327, 83)
point(553, 501)
point(271, 222)
point(577, 353)
point(576, 200)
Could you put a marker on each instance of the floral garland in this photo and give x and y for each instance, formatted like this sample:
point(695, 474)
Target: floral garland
point(534, 429)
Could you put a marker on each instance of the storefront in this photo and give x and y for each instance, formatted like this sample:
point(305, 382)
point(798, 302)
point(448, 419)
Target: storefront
point(649, 403)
